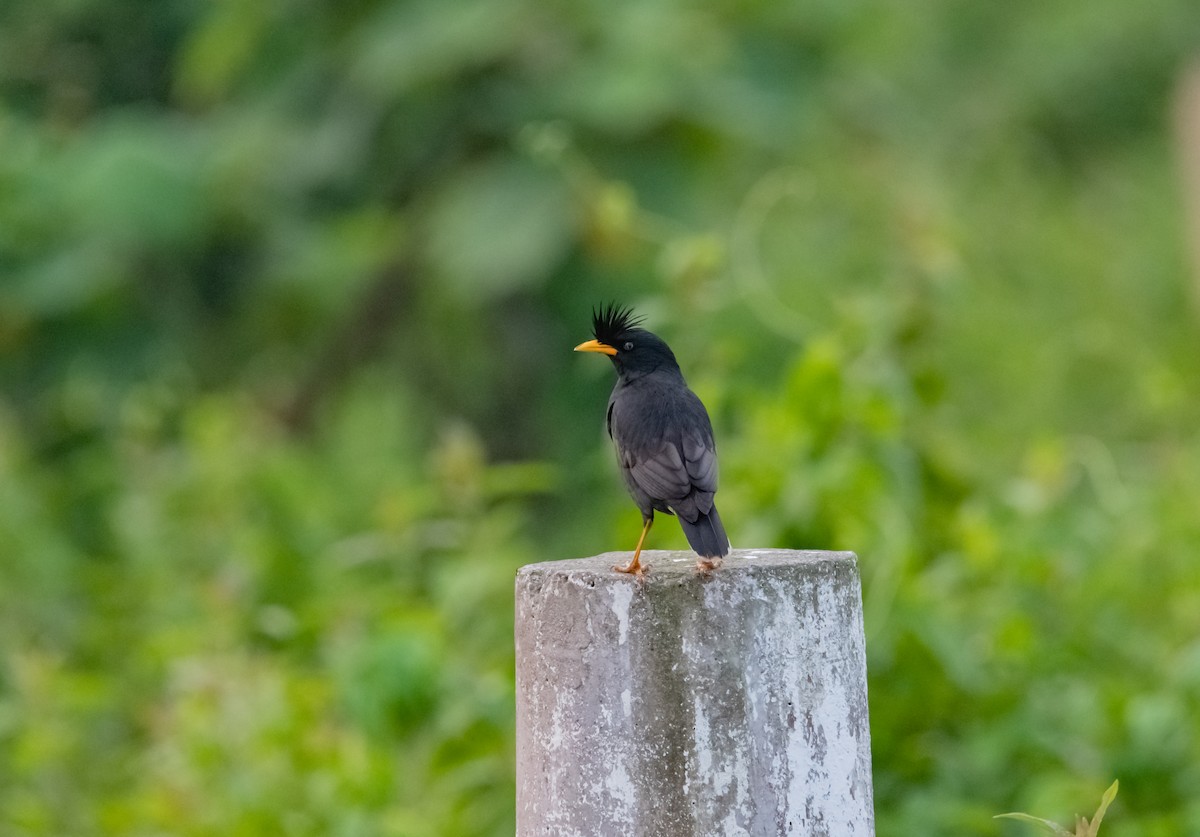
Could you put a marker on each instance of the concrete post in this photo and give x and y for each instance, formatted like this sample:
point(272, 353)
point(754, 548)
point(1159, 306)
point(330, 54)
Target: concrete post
point(729, 705)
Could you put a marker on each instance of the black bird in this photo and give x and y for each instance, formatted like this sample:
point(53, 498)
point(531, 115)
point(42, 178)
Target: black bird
point(662, 434)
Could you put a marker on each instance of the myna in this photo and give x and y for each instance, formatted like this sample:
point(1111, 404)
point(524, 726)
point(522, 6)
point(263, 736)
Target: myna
point(662, 434)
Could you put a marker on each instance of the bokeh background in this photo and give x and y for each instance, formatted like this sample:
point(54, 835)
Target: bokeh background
point(288, 290)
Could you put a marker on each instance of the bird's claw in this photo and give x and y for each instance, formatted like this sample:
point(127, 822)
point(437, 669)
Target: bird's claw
point(705, 566)
point(634, 568)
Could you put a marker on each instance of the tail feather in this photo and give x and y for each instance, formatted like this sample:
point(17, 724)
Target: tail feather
point(707, 535)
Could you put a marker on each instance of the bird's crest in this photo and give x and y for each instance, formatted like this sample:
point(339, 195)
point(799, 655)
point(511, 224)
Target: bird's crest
point(611, 322)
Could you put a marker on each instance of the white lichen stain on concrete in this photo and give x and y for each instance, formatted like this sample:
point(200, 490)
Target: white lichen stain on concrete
point(744, 802)
point(703, 743)
point(557, 737)
point(821, 753)
point(840, 750)
point(620, 788)
point(627, 702)
point(622, 597)
point(719, 762)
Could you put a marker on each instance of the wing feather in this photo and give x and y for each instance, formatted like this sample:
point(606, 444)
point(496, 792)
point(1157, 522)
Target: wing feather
point(668, 465)
point(700, 459)
point(662, 474)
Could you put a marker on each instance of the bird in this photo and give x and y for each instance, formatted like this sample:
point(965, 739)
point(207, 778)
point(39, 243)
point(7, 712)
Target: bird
point(662, 435)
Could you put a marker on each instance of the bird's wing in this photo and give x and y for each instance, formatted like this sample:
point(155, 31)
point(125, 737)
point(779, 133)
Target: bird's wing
point(658, 471)
point(700, 460)
point(675, 467)
point(665, 447)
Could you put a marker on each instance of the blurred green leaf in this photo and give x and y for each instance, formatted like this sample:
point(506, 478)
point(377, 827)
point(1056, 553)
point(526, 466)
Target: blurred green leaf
point(137, 178)
point(1083, 827)
point(1045, 825)
point(499, 227)
point(407, 44)
point(221, 48)
point(1109, 795)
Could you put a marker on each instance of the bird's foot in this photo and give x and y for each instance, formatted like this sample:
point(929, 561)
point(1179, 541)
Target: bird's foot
point(705, 566)
point(634, 568)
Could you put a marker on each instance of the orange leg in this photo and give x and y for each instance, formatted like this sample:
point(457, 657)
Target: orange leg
point(634, 566)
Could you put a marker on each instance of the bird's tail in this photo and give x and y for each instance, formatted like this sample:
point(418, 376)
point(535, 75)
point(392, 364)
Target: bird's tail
point(707, 535)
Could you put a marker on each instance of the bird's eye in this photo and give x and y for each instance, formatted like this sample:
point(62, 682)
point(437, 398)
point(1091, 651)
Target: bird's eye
point(628, 347)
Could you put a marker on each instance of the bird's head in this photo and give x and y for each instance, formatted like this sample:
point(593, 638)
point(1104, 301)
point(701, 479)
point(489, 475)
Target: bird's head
point(633, 350)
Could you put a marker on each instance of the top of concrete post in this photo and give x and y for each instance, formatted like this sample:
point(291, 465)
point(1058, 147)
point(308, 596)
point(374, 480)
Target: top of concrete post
point(672, 566)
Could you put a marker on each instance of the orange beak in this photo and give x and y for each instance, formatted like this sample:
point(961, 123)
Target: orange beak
point(596, 346)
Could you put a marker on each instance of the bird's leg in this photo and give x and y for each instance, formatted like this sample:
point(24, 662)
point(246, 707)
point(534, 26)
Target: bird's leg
point(634, 566)
point(706, 565)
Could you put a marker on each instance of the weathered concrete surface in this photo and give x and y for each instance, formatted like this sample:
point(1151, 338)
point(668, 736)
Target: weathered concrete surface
point(728, 705)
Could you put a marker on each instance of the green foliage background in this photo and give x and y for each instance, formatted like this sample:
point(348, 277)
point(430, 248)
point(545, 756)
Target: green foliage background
point(287, 295)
